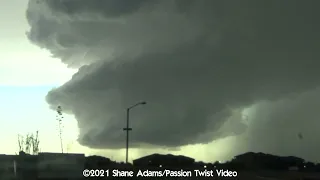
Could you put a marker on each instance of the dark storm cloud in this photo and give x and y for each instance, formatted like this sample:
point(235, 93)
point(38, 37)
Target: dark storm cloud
point(87, 36)
point(289, 126)
point(190, 60)
point(107, 8)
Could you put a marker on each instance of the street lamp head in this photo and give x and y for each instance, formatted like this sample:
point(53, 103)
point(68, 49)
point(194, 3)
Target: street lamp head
point(139, 103)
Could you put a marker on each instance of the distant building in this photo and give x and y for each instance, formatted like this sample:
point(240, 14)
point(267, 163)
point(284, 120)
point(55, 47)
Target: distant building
point(252, 160)
point(96, 162)
point(157, 160)
point(247, 160)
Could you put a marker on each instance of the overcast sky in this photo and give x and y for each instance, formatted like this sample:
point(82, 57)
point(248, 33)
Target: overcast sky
point(220, 78)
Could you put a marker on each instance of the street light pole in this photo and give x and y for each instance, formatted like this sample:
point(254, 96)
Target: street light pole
point(129, 129)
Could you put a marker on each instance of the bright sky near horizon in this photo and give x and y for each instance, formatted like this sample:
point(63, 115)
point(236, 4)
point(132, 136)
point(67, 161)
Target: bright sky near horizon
point(27, 73)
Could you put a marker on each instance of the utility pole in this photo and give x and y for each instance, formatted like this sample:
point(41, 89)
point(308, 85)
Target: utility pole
point(127, 128)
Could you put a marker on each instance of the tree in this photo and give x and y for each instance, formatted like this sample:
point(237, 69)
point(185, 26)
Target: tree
point(29, 143)
point(59, 118)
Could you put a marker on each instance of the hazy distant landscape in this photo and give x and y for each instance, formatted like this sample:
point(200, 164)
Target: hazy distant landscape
point(70, 166)
point(249, 165)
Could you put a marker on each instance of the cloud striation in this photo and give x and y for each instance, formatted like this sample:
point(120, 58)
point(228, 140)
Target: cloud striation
point(190, 60)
